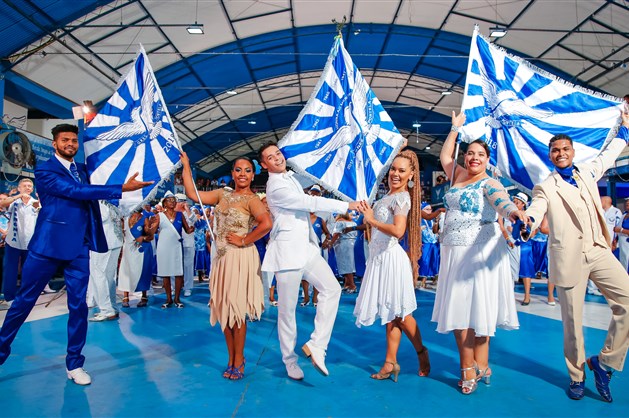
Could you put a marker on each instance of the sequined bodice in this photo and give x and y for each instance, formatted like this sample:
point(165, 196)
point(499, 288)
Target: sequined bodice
point(232, 215)
point(471, 213)
point(384, 210)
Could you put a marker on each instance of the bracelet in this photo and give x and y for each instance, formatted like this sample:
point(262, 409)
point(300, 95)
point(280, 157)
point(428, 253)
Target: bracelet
point(454, 128)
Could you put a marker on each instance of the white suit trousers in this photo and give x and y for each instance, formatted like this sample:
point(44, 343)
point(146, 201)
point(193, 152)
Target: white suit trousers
point(103, 272)
point(318, 273)
point(267, 281)
point(188, 268)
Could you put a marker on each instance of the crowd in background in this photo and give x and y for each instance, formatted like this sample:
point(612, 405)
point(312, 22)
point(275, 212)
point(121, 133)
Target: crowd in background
point(343, 242)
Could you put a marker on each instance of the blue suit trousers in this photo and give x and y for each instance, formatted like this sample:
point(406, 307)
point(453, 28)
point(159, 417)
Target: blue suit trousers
point(12, 259)
point(36, 273)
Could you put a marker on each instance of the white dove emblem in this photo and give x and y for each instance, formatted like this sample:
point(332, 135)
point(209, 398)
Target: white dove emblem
point(505, 109)
point(357, 122)
point(142, 122)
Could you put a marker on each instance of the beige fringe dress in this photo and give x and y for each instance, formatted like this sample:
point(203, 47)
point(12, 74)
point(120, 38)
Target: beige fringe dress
point(235, 281)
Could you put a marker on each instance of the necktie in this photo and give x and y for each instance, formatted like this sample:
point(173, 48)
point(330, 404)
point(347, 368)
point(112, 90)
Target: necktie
point(567, 174)
point(75, 172)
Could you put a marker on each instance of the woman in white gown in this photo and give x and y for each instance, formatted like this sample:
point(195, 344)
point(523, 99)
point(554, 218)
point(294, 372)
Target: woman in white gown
point(475, 290)
point(387, 290)
point(170, 225)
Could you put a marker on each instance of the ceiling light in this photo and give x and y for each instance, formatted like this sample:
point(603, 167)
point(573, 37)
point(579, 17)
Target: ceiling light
point(196, 29)
point(417, 125)
point(446, 93)
point(231, 92)
point(497, 32)
point(252, 122)
point(428, 147)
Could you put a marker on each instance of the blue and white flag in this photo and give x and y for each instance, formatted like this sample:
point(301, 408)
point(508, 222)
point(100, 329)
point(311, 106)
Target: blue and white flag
point(343, 139)
point(132, 133)
point(516, 108)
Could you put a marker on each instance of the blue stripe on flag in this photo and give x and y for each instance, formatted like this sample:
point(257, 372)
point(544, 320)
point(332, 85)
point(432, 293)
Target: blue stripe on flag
point(370, 175)
point(515, 162)
point(592, 137)
point(319, 168)
point(120, 174)
point(576, 101)
point(150, 171)
point(102, 155)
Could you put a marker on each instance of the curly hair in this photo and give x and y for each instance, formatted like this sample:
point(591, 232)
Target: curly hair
point(413, 221)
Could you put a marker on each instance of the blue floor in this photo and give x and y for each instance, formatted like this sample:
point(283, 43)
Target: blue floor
point(164, 363)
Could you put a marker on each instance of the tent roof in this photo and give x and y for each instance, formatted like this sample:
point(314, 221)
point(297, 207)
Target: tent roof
point(271, 53)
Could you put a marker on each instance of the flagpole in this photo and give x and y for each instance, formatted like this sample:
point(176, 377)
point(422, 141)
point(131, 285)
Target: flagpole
point(458, 137)
point(207, 221)
point(176, 140)
point(196, 192)
point(456, 156)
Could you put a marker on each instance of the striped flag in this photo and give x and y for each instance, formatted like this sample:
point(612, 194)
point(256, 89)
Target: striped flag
point(133, 133)
point(343, 139)
point(516, 108)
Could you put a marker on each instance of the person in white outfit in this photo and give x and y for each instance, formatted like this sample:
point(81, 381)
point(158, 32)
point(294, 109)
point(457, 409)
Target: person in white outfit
point(188, 244)
point(622, 231)
point(22, 211)
point(613, 219)
point(292, 254)
point(104, 267)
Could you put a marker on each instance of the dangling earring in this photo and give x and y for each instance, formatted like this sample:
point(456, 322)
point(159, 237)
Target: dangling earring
point(410, 184)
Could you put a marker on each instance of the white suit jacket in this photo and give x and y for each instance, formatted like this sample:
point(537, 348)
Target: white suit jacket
point(292, 232)
point(554, 197)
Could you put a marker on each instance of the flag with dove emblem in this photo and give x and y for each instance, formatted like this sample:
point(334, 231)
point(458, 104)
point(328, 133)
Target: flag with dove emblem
point(516, 108)
point(343, 139)
point(132, 133)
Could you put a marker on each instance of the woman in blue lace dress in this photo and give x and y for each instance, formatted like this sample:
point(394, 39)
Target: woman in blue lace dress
point(388, 291)
point(475, 290)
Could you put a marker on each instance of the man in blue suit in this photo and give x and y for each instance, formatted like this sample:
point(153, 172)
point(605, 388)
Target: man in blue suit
point(68, 227)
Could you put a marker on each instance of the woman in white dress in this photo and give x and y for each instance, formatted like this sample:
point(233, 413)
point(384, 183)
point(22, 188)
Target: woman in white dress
point(387, 290)
point(136, 265)
point(475, 290)
point(169, 250)
point(343, 243)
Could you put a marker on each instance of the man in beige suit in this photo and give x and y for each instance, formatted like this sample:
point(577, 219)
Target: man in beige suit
point(579, 247)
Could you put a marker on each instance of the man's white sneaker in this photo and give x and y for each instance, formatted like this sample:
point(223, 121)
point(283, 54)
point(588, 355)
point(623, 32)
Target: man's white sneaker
point(294, 371)
point(48, 290)
point(4, 306)
point(79, 376)
point(99, 317)
point(187, 293)
point(317, 356)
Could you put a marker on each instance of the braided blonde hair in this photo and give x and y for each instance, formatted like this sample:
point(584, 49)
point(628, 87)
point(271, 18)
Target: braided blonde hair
point(413, 221)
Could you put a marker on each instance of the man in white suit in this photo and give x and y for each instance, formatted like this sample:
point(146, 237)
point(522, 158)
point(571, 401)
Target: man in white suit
point(104, 267)
point(292, 254)
point(579, 247)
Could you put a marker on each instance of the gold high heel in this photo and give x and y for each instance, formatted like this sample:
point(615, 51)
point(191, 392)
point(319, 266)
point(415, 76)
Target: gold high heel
point(384, 376)
point(468, 386)
point(423, 353)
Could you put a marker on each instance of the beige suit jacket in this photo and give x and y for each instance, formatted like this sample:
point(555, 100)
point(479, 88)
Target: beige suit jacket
point(555, 198)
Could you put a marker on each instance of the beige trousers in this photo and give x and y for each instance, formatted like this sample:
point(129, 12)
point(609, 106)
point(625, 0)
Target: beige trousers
point(613, 282)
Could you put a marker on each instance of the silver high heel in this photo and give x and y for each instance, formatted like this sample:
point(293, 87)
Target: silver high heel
point(485, 376)
point(468, 386)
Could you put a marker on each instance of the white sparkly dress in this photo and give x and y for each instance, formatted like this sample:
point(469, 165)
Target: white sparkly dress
point(387, 288)
point(475, 289)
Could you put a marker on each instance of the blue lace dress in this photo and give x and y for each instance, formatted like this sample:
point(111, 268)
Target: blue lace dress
point(475, 289)
point(387, 289)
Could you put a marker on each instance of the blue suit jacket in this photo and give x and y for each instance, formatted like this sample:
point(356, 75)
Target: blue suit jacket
point(69, 215)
